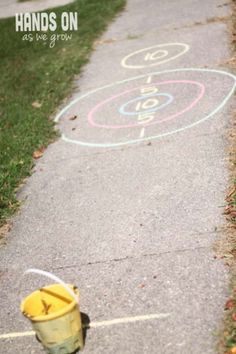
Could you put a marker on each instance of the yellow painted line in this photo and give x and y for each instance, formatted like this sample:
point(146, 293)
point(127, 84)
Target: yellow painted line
point(113, 322)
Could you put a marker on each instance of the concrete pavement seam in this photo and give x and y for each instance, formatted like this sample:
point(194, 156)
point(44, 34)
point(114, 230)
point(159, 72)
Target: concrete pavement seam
point(133, 258)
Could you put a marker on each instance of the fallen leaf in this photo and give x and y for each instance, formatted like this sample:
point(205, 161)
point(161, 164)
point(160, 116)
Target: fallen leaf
point(142, 286)
point(227, 210)
point(234, 316)
point(73, 117)
point(46, 307)
point(149, 144)
point(4, 230)
point(105, 41)
point(233, 350)
point(229, 304)
point(227, 256)
point(231, 193)
point(38, 153)
point(36, 104)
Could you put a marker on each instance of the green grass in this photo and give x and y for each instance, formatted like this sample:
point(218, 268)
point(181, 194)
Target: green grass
point(31, 71)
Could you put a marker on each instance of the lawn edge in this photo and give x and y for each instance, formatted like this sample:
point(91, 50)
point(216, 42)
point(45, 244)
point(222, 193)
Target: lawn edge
point(6, 223)
point(227, 249)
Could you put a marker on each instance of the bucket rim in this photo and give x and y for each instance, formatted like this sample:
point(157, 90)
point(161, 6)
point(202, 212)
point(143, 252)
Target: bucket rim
point(52, 316)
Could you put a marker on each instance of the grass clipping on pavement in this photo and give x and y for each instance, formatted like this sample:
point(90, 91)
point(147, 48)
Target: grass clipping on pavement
point(34, 80)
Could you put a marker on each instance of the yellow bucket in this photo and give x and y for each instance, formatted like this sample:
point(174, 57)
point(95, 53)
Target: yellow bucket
point(55, 316)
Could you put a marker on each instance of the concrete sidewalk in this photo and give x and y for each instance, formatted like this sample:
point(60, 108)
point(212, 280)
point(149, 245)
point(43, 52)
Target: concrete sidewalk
point(127, 203)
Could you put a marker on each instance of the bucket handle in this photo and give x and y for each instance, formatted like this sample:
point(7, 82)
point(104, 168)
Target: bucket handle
point(55, 278)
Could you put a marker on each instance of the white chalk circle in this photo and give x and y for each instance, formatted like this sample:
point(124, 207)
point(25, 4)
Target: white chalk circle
point(155, 55)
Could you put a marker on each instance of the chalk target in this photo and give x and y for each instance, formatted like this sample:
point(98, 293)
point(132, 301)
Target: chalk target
point(123, 110)
point(91, 115)
point(155, 55)
point(115, 121)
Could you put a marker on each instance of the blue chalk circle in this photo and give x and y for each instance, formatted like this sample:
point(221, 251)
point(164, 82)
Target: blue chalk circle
point(142, 98)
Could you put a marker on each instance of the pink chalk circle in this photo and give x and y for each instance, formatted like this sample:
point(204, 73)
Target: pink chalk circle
point(91, 114)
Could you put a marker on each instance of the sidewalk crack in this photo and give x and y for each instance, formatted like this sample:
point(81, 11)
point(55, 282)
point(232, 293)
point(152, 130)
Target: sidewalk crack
point(122, 259)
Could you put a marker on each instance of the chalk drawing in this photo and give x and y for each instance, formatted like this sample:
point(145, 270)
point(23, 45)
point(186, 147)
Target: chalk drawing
point(149, 79)
point(145, 117)
point(155, 55)
point(177, 114)
point(158, 54)
point(150, 135)
point(143, 106)
point(142, 133)
point(107, 323)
